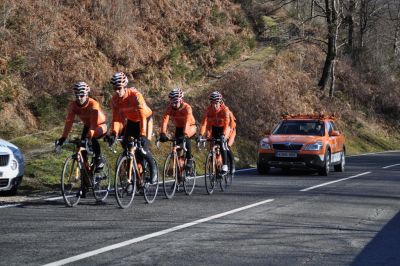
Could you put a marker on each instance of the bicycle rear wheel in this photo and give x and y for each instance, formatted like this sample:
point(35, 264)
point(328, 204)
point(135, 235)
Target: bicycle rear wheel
point(226, 180)
point(231, 173)
point(71, 182)
point(170, 176)
point(102, 181)
point(189, 180)
point(125, 184)
point(150, 190)
point(210, 174)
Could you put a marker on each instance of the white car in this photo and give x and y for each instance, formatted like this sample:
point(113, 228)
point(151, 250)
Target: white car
point(12, 166)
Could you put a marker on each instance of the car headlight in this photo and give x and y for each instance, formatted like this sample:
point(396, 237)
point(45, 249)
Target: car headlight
point(18, 155)
point(14, 164)
point(314, 146)
point(265, 145)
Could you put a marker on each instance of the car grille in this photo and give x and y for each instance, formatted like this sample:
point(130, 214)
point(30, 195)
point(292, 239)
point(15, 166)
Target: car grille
point(3, 182)
point(287, 146)
point(4, 159)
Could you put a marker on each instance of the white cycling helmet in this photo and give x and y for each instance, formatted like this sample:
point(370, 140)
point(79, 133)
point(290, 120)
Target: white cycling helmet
point(81, 88)
point(119, 80)
point(176, 95)
point(215, 97)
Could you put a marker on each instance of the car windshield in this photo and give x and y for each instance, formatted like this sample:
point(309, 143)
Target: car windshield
point(293, 127)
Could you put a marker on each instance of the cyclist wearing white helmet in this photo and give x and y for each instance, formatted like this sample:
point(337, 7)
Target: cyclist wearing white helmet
point(216, 124)
point(185, 124)
point(93, 118)
point(131, 118)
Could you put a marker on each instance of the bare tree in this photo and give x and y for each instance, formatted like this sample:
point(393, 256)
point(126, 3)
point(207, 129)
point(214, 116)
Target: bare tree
point(332, 10)
point(394, 18)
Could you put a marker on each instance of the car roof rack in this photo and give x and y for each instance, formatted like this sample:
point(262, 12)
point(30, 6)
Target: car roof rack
point(319, 116)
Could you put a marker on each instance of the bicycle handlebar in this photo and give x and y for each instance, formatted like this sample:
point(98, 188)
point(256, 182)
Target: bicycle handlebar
point(136, 143)
point(173, 140)
point(76, 141)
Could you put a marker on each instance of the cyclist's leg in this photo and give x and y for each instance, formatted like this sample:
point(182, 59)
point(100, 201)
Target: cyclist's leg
point(133, 129)
point(85, 183)
point(217, 132)
point(99, 132)
point(149, 128)
point(232, 136)
point(191, 132)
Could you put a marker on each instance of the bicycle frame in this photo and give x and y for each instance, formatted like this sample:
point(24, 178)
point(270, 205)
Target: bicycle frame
point(83, 163)
point(215, 150)
point(78, 168)
point(130, 152)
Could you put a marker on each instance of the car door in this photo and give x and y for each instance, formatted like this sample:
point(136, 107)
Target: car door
point(332, 139)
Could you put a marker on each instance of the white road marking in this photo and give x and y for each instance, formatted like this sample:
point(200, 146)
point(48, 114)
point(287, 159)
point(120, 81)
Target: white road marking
point(243, 170)
point(335, 181)
point(10, 205)
point(152, 235)
point(390, 166)
point(372, 153)
point(53, 199)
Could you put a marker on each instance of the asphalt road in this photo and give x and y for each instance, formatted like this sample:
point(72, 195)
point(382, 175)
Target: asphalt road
point(284, 218)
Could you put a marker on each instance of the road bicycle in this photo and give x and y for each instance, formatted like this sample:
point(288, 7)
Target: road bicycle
point(213, 167)
point(132, 175)
point(80, 174)
point(176, 172)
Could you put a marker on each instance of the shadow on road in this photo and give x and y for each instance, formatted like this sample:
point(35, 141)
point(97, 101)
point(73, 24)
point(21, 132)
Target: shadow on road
point(384, 247)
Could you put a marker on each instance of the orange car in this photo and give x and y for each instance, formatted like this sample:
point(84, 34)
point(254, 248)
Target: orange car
point(303, 141)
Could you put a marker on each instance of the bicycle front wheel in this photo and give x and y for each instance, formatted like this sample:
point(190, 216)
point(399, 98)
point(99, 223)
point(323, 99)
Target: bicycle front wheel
point(170, 176)
point(125, 182)
point(101, 182)
point(150, 190)
point(189, 180)
point(71, 182)
point(210, 174)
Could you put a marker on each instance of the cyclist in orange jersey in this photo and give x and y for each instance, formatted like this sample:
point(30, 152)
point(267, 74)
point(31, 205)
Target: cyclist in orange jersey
point(216, 123)
point(93, 118)
point(131, 117)
point(185, 124)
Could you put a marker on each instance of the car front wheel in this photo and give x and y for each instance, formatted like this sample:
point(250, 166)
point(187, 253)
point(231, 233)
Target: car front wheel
point(324, 171)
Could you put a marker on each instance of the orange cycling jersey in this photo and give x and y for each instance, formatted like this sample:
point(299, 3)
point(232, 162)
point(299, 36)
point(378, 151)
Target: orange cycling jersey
point(216, 118)
point(182, 117)
point(90, 114)
point(131, 106)
point(232, 120)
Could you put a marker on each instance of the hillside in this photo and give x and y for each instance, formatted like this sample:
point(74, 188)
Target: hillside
point(248, 52)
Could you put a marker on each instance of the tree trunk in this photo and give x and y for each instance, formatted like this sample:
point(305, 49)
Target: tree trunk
point(350, 22)
point(312, 8)
point(363, 23)
point(332, 22)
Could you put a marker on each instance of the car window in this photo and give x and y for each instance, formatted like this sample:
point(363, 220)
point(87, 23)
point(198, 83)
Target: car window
point(329, 127)
point(334, 126)
point(293, 127)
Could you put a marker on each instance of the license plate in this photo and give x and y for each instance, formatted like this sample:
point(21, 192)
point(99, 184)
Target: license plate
point(1, 174)
point(286, 154)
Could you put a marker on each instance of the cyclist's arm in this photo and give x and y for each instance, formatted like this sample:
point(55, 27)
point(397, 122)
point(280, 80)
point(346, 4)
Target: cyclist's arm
point(117, 120)
point(203, 124)
point(69, 120)
point(188, 115)
point(142, 113)
point(226, 123)
point(94, 119)
point(164, 123)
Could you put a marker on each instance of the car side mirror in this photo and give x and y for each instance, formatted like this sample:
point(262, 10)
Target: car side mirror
point(335, 133)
